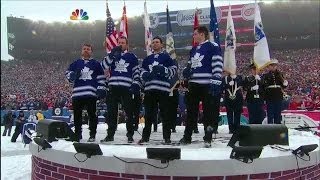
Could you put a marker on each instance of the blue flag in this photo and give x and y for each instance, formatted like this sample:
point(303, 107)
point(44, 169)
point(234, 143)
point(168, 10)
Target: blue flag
point(214, 28)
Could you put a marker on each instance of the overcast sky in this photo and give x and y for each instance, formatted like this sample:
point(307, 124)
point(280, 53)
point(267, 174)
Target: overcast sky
point(60, 10)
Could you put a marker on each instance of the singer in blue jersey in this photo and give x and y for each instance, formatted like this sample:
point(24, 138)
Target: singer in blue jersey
point(203, 72)
point(124, 85)
point(156, 71)
point(88, 80)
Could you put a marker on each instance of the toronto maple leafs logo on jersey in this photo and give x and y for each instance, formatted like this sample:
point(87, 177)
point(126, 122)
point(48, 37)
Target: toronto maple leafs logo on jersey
point(155, 63)
point(121, 66)
point(86, 74)
point(196, 60)
point(259, 34)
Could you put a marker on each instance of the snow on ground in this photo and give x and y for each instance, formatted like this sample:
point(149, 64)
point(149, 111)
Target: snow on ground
point(16, 159)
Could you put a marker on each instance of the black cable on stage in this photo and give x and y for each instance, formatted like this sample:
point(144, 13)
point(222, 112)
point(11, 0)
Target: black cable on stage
point(140, 162)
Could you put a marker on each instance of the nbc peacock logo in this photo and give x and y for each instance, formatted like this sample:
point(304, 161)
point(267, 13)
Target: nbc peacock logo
point(79, 14)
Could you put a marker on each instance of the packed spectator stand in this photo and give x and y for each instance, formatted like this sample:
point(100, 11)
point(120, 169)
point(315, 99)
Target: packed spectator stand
point(40, 84)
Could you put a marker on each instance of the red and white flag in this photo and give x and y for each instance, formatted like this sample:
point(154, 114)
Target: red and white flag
point(195, 25)
point(124, 23)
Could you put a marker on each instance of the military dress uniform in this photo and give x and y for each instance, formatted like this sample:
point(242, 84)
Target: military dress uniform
point(254, 98)
point(233, 99)
point(274, 83)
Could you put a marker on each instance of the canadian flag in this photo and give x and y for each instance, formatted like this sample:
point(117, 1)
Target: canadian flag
point(195, 25)
point(124, 23)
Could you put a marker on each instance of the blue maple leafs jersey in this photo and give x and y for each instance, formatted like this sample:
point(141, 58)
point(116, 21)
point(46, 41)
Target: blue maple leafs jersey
point(157, 82)
point(205, 63)
point(91, 76)
point(124, 70)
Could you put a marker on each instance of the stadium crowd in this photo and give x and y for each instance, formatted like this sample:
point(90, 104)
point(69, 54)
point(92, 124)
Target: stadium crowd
point(41, 84)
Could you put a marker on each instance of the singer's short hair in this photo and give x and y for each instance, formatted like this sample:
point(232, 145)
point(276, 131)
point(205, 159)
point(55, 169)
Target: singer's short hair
point(88, 45)
point(123, 37)
point(158, 37)
point(204, 30)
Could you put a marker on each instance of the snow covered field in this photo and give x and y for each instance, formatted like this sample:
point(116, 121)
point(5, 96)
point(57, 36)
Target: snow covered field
point(16, 159)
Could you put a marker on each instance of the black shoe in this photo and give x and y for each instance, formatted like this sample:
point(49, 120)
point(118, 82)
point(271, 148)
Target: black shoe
point(196, 131)
point(207, 144)
point(136, 128)
point(185, 141)
point(141, 141)
point(130, 140)
point(167, 141)
point(155, 131)
point(174, 131)
point(107, 139)
point(73, 139)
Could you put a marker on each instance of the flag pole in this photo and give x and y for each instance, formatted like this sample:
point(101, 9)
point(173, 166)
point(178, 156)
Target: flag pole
point(105, 43)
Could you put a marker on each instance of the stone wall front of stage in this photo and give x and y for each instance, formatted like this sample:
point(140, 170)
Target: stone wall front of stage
point(48, 170)
point(196, 162)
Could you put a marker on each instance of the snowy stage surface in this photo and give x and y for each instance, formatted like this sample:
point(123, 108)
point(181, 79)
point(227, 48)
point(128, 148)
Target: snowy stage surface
point(196, 161)
point(218, 151)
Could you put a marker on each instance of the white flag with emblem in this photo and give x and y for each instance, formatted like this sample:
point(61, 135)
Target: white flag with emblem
point(261, 55)
point(229, 63)
point(147, 32)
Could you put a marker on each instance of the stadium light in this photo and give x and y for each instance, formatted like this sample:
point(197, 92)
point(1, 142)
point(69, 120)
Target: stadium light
point(246, 153)
point(304, 150)
point(89, 149)
point(43, 143)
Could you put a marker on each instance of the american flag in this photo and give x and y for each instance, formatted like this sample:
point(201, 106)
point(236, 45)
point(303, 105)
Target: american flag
point(214, 27)
point(111, 32)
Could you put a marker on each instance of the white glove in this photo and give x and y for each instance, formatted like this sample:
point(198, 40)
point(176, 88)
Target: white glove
point(285, 83)
point(256, 87)
point(257, 77)
point(221, 100)
point(231, 83)
point(233, 76)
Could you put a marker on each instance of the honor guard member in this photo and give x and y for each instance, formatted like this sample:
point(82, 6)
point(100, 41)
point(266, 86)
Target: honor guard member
point(88, 80)
point(233, 100)
point(157, 69)
point(124, 84)
point(254, 87)
point(274, 83)
point(204, 74)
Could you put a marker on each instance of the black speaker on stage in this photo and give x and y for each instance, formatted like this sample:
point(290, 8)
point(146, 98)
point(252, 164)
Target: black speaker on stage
point(52, 129)
point(260, 135)
point(246, 153)
point(164, 154)
point(89, 149)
